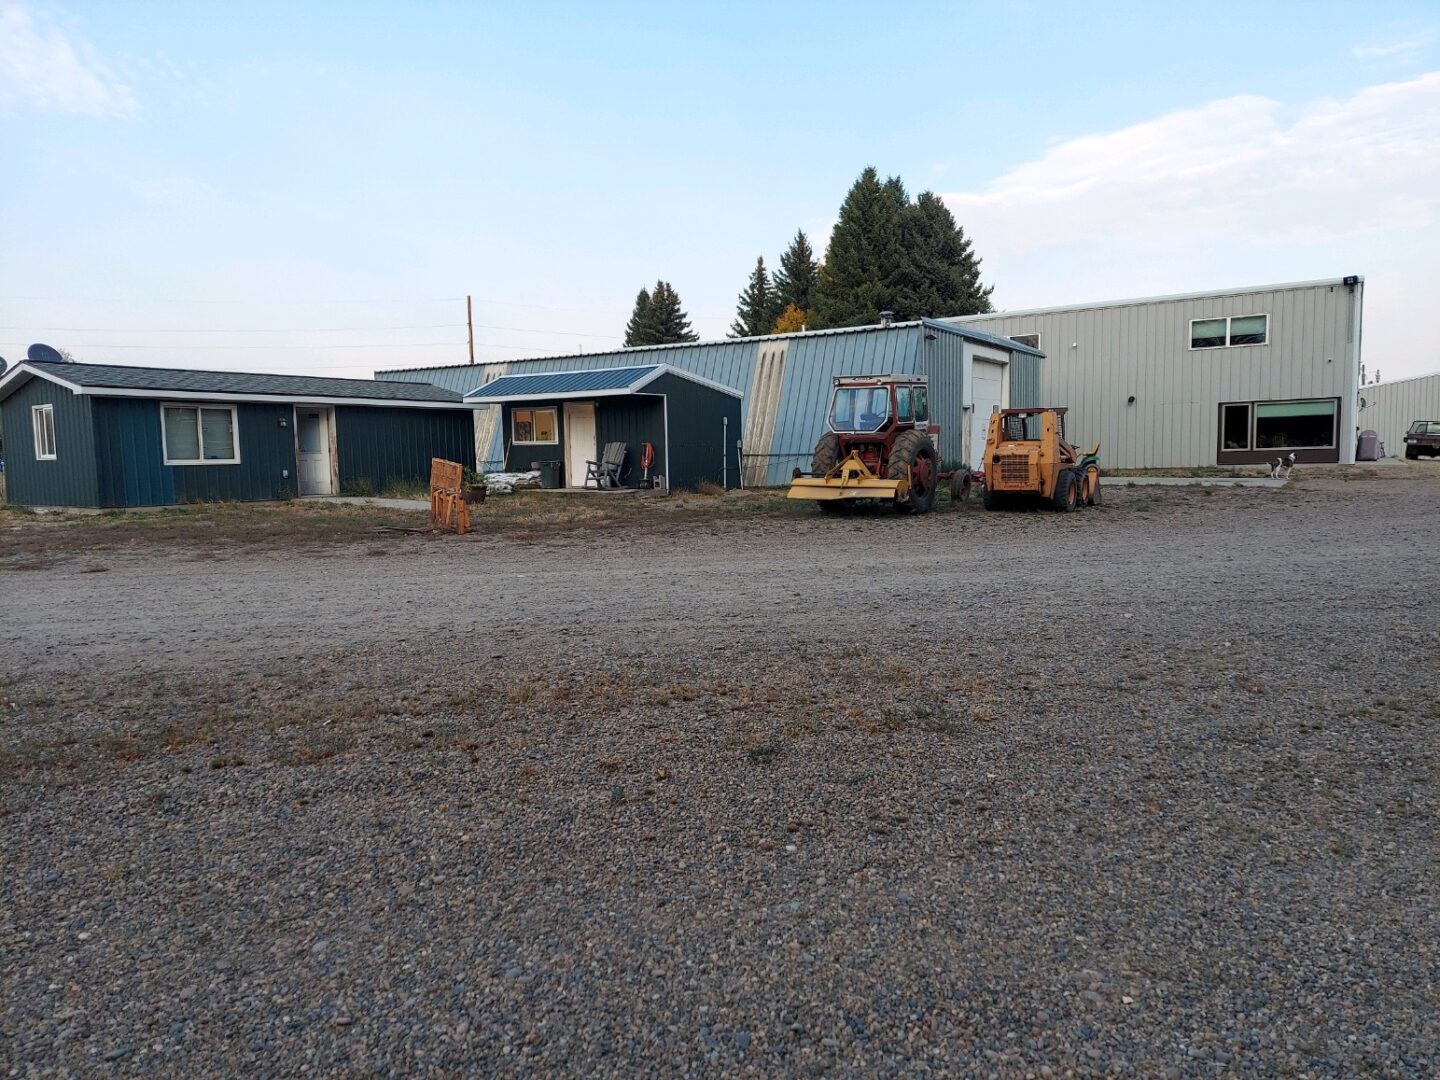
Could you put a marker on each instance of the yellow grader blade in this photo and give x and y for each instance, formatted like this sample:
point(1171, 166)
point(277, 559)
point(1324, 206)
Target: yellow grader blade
point(851, 479)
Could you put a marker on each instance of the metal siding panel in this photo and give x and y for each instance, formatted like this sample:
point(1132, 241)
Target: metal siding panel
point(1392, 407)
point(69, 480)
point(380, 447)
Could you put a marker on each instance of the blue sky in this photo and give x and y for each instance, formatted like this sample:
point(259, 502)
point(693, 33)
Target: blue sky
point(269, 186)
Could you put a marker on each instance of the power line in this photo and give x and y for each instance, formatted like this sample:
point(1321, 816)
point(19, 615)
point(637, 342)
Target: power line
point(290, 330)
point(387, 345)
point(302, 330)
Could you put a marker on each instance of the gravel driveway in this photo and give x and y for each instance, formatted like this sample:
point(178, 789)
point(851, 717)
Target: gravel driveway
point(1145, 790)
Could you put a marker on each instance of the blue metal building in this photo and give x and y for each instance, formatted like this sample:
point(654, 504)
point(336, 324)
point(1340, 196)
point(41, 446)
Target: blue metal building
point(785, 380)
point(100, 435)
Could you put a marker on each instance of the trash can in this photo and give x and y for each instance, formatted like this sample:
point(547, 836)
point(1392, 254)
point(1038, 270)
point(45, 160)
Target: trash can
point(550, 474)
point(1368, 447)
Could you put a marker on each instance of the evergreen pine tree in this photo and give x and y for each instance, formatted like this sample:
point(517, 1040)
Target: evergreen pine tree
point(640, 330)
point(758, 306)
point(794, 282)
point(941, 274)
point(671, 324)
point(865, 260)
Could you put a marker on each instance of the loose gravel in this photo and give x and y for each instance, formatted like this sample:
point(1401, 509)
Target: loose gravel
point(1146, 790)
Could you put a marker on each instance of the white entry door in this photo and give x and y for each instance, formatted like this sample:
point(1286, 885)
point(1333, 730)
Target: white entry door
point(312, 449)
point(579, 441)
point(987, 382)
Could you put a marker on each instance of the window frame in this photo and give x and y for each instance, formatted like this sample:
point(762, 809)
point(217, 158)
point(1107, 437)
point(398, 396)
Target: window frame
point(1249, 407)
point(36, 412)
point(1034, 334)
point(196, 407)
point(1228, 320)
point(536, 409)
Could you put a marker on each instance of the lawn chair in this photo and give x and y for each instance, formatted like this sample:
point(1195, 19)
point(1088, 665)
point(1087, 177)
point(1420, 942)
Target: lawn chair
point(609, 471)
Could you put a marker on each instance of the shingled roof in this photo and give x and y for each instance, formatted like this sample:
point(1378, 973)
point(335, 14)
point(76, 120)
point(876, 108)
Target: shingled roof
point(144, 381)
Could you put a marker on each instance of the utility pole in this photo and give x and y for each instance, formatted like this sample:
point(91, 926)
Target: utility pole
point(470, 329)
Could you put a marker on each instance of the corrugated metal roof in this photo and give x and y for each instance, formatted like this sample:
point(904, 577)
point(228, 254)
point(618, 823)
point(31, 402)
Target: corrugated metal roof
point(765, 339)
point(1169, 298)
point(549, 383)
point(164, 380)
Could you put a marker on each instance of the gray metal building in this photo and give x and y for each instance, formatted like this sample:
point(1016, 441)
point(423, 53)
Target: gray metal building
point(785, 380)
point(1236, 376)
point(1390, 408)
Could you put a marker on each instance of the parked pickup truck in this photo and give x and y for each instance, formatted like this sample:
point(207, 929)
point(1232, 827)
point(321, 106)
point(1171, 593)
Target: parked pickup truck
point(1423, 438)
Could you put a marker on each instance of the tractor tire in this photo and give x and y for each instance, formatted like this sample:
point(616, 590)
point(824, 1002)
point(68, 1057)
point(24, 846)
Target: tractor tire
point(1066, 496)
point(827, 454)
point(915, 453)
point(960, 484)
point(1094, 499)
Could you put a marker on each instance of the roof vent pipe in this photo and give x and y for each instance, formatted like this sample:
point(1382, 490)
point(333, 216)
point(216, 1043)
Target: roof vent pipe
point(886, 318)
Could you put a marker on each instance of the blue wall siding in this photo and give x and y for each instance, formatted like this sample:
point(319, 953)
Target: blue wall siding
point(69, 480)
point(132, 466)
point(379, 447)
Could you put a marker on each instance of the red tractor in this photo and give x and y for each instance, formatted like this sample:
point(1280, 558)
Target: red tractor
point(878, 446)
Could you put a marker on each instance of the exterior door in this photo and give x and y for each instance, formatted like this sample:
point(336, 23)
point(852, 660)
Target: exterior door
point(312, 450)
point(579, 441)
point(987, 394)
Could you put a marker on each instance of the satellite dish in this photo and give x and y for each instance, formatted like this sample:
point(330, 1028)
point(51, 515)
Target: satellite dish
point(44, 354)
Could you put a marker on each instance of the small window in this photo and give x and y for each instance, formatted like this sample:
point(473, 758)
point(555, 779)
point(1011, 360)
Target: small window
point(902, 403)
point(199, 435)
point(1235, 427)
point(1228, 332)
point(42, 417)
point(922, 405)
point(1295, 425)
point(533, 426)
point(1033, 340)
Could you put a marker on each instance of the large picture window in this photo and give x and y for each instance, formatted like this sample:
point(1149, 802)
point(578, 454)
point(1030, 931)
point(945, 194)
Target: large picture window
point(42, 419)
point(533, 426)
point(1230, 331)
point(1294, 425)
point(200, 435)
point(1255, 430)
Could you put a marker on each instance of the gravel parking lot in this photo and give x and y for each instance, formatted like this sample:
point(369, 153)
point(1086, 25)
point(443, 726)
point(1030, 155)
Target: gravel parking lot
point(1145, 790)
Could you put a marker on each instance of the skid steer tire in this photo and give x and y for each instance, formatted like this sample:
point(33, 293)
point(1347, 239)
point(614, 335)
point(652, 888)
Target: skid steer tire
point(827, 454)
point(913, 454)
point(992, 500)
point(1065, 497)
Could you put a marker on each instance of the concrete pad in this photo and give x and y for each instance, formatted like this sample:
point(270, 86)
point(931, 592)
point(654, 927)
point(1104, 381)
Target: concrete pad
point(1193, 481)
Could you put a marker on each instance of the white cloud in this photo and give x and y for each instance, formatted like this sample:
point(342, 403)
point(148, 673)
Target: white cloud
point(1392, 50)
point(1244, 166)
point(1239, 191)
point(43, 68)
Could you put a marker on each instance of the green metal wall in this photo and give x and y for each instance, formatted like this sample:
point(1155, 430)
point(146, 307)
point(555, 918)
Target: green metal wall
point(380, 447)
point(520, 458)
point(704, 428)
point(131, 458)
point(1025, 381)
point(634, 421)
point(69, 480)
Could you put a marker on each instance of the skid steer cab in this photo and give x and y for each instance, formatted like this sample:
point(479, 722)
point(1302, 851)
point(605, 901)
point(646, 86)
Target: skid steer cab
point(1027, 460)
point(878, 446)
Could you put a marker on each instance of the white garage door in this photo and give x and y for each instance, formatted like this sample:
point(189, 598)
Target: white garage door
point(987, 394)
